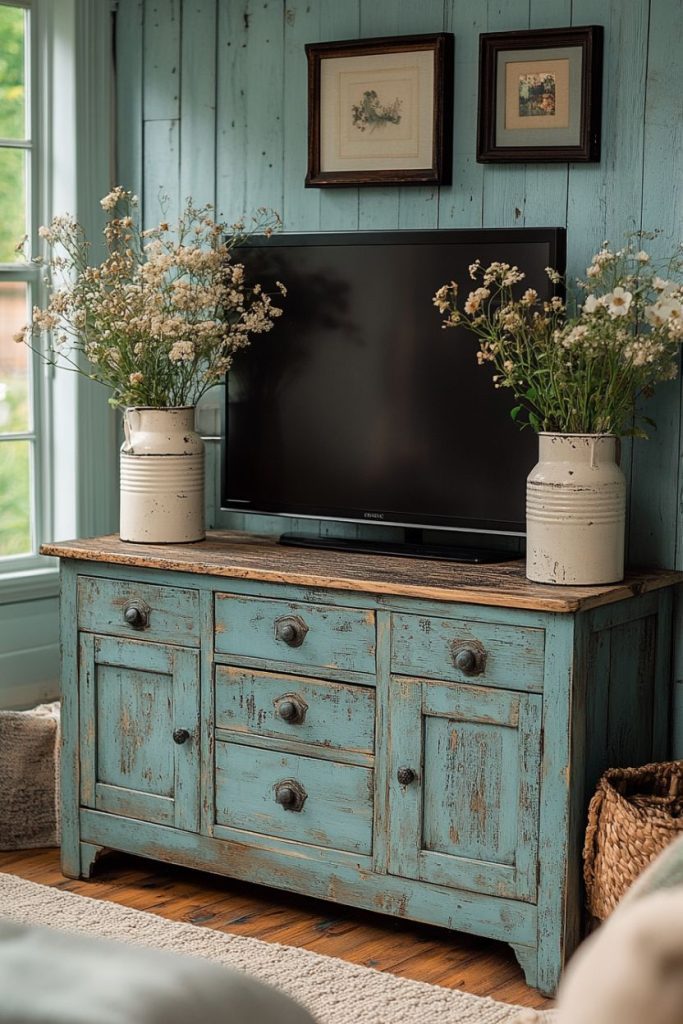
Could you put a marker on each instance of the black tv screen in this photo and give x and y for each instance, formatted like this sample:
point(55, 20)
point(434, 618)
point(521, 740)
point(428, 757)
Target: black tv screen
point(358, 405)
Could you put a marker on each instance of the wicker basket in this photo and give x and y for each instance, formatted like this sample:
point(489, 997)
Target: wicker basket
point(633, 815)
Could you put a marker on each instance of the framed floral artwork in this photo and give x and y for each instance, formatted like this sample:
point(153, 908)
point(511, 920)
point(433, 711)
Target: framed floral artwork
point(380, 111)
point(540, 95)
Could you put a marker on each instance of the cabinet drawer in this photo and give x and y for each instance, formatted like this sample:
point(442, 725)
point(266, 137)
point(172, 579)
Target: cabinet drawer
point(312, 635)
point(323, 803)
point(464, 650)
point(139, 610)
point(310, 710)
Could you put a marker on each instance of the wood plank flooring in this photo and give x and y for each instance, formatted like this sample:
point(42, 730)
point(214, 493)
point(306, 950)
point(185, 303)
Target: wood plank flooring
point(403, 948)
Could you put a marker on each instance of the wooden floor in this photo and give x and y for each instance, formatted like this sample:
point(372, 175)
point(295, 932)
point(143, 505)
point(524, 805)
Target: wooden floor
point(408, 950)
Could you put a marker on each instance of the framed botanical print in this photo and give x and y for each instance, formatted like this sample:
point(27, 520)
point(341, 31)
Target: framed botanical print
point(540, 95)
point(380, 111)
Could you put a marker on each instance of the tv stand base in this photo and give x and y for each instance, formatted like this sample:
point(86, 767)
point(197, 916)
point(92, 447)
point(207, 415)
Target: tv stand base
point(407, 549)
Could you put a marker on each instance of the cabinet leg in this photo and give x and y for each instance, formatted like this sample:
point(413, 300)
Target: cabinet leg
point(541, 967)
point(89, 856)
point(527, 958)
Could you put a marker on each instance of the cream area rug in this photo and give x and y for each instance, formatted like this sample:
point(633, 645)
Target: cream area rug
point(334, 991)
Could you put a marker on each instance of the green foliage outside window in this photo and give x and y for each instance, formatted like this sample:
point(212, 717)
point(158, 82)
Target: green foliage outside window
point(15, 532)
point(12, 126)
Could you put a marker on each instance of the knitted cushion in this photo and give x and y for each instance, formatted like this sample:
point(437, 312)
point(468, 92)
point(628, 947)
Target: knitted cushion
point(29, 773)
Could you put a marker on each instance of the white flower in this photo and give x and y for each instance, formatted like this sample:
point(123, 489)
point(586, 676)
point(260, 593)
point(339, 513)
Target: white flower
point(642, 256)
point(667, 308)
point(475, 299)
point(591, 304)
point(575, 336)
point(618, 302)
point(473, 269)
point(181, 351)
point(529, 297)
point(554, 275)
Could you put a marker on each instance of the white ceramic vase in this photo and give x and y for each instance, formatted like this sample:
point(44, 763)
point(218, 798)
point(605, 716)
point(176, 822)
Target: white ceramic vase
point(162, 477)
point(576, 510)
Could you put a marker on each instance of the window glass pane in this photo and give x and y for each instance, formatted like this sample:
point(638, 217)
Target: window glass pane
point(15, 415)
point(12, 202)
point(15, 498)
point(12, 73)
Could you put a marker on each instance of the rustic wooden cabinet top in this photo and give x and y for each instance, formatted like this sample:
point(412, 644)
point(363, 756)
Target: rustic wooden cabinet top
point(236, 555)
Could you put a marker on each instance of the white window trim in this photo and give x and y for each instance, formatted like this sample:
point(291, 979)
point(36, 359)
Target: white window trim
point(72, 88)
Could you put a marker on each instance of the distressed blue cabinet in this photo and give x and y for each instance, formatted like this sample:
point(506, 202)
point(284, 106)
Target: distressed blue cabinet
point(135, 697)
point(469, 817)
point(416, 738)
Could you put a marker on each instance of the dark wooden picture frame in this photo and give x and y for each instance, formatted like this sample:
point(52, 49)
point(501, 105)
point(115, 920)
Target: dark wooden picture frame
point(430, 139)
point(504, 112)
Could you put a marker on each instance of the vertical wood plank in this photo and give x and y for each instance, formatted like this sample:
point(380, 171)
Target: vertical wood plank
point(129, 76)
point(161, 68)
point(207, 802)
point(460, 204)
point(654, 519)
point(186, 703)
point(555, 796)
point(88, 718)
point(419, 207)
point(504, 195)
point(378, 206)
point(70, 747)
point(405, 802)
point(605, 198)
point(263, 83)
point(546, 184)
point(631, 705)
point(598, 706)
point(383, 727)
point(232, 167)
point(161, 192)
point(339, 206)
point(662, 695)
point(198, 102)
point(301, 206)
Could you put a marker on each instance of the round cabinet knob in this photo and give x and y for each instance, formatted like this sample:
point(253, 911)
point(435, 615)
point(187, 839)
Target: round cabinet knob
point(136, 614)
point(291, 709)
point(288, 710)
point(291, 629)
point(180, 736)
point(285, 796)
point(405, 776)
point(290, 795)
point(469, 658)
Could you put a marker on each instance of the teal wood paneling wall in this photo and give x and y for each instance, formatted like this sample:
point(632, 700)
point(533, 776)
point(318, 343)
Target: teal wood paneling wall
point(212, 103)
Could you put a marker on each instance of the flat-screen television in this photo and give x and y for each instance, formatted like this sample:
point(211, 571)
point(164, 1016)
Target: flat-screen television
point(357, 406)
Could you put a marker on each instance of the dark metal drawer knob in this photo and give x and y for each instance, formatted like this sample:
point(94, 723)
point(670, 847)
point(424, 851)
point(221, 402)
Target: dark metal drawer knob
point(405, 776)
point(290, 795)
point(136, 614)
point(180, 735)
point(291, 709)
point(291, 629)
point(468, 657)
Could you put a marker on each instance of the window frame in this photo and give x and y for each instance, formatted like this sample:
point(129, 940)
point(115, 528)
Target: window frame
point(14, 567)
point(73, 83)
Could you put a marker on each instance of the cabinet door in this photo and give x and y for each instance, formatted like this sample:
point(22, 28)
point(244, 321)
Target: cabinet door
point(468, 816)
point(140, 730)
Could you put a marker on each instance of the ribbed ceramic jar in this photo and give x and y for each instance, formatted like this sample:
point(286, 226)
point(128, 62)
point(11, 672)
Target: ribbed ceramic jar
point(162, 477)
point(575, 511)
